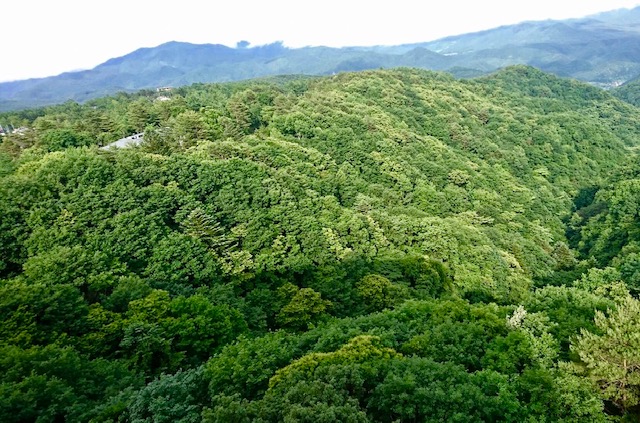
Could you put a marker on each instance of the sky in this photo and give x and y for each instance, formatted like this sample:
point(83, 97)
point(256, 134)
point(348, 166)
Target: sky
point(46, 37)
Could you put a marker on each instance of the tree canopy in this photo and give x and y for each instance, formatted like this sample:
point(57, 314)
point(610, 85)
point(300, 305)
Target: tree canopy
point(376, 246)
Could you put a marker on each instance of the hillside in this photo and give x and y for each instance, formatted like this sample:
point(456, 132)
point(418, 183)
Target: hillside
point(600, 49)
point(370, 247)
point(629, 92)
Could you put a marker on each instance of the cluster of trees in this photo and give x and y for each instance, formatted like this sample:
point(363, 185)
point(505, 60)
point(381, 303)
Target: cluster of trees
point(629, 91)
point(380, 246)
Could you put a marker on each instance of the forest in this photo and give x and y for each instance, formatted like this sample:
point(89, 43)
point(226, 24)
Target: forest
point(378, 246)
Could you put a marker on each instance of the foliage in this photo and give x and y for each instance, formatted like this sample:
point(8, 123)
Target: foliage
point(379, 292)
point(381, 246)
point(610, 356)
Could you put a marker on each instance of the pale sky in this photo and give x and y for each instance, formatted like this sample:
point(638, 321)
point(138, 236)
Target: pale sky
point(46, 37)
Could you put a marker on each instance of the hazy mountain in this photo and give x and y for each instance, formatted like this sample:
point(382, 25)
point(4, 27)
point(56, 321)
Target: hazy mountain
point(177, 63)
point(601, 49)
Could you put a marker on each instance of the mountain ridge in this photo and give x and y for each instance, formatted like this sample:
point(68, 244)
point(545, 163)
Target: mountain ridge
point(602, 49)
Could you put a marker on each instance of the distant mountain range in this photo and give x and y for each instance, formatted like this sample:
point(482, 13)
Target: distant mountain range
point(602, 49)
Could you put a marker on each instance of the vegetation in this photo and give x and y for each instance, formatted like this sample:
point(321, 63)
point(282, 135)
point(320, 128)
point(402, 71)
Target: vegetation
point(629, 92)
point(367, 247)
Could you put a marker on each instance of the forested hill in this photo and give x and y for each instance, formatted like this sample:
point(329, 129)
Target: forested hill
point(365, 247)
point(629, 92)
point(600, 49)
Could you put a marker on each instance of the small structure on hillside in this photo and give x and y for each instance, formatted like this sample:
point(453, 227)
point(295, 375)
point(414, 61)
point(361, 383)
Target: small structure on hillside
point(20, 131)
point(130, 141)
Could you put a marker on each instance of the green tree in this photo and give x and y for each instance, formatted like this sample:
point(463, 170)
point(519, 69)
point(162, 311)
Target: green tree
point(57, 384)
point(611, 356)
point(170, 398)
point(140, 113)
point(379, 293)
point(38, 314)
point(59, 139)
point(305, 308)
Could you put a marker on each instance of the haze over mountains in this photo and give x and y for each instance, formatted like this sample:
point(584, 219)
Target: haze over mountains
point(602, 49)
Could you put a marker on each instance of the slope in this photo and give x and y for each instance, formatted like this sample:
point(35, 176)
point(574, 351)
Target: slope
point(327, 247)
point(629, 92)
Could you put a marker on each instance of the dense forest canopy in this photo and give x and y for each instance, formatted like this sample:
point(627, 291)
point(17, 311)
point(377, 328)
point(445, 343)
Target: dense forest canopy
point(377, 246)
point(629, 92)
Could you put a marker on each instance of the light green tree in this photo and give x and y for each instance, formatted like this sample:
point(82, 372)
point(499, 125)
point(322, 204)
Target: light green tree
point(305, 308)
point(379, 292)
point(611, 358)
